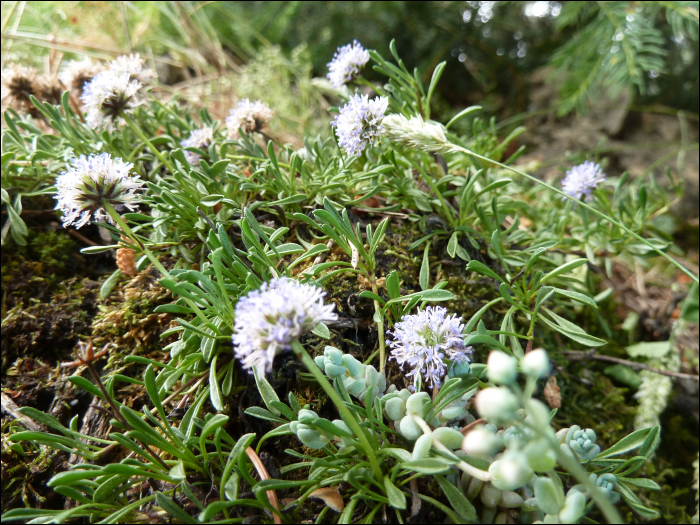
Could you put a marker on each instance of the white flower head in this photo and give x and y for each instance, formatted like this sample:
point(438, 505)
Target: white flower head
point(19, 83)
point(89, 182)
point(347, 63)
point(248, 116)
point(581, 180)
point(423, 341)
point(268, 319)
point(360, 123)
point(135, 66)
point(76, 74)
point(106, 96)
point(199, 138)
point(415, 133)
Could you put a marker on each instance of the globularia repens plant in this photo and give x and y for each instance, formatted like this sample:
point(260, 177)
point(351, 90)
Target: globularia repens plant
point(249, 228)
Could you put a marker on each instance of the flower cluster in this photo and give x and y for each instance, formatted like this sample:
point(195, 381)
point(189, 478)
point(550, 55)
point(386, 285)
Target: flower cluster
point(91, 181)
point(248, 116)
point(78, 73)
point(107, 96)
point(268, 319)
point(347, 63)
point(135, 66)
point(18, 84)
point(423, 341)
point(360, 123)
point(197, 139)
point(581, 180)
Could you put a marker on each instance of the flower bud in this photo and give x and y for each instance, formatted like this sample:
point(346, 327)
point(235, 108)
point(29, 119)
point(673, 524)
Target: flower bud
point(536, 363)
point(480, 441)
point(497, 405)
point(502, 368)
point(510, 472)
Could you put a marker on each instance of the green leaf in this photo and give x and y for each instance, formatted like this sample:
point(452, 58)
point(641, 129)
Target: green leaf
point(267, 393)
point(564, 268)
point(634, 440)
point(109, 284)
point(624, 374)
point(86, 385)
point(430, 466)
point(642, 483)
point(650, 350)
point(216, 421)
point(73, 476)
point(397, 499)
point(461, 504)
point(322, 331)
point(173, 509)
point(261, 413)
point(476, 266)
point(424, 278)
point(576, 296)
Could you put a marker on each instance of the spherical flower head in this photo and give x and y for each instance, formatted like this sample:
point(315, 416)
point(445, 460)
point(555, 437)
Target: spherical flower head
point(347, 63)
point(91, 181)
point(581, 180)
point(536, 363)
point(360, 123)
point(497, 405)
point(511, 471)
point(135, 66)
point(248, 116)
point(268, 319)
point(107, 96)
point(18, 85)
point(197, 139)
point(415, 133)
point(481, 441)
point(502, 368)
point(78, 73)
point(423, 341)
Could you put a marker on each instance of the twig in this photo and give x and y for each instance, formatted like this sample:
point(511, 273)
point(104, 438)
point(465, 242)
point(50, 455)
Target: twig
point(9, 407)
point(591, 354)
point(82, 238)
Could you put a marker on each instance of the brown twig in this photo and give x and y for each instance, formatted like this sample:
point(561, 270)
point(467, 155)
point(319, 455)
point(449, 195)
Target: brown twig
point(470, 426)
point(82, 238)
point(262, 471)
point(591, 354)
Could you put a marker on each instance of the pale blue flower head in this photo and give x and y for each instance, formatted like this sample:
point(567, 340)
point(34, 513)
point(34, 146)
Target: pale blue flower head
point(581, 180)
point(359, 123)
point(268, 319)
point(107, 96)
point(197, 139)
point(88, 182)
point(425, 340)
point(347, 63)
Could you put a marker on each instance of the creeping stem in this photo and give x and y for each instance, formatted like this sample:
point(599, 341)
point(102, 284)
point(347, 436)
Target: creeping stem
point(348, 417)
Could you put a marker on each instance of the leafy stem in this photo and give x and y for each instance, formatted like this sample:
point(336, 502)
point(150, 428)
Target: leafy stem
point(140, 134)
point(581, 203)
